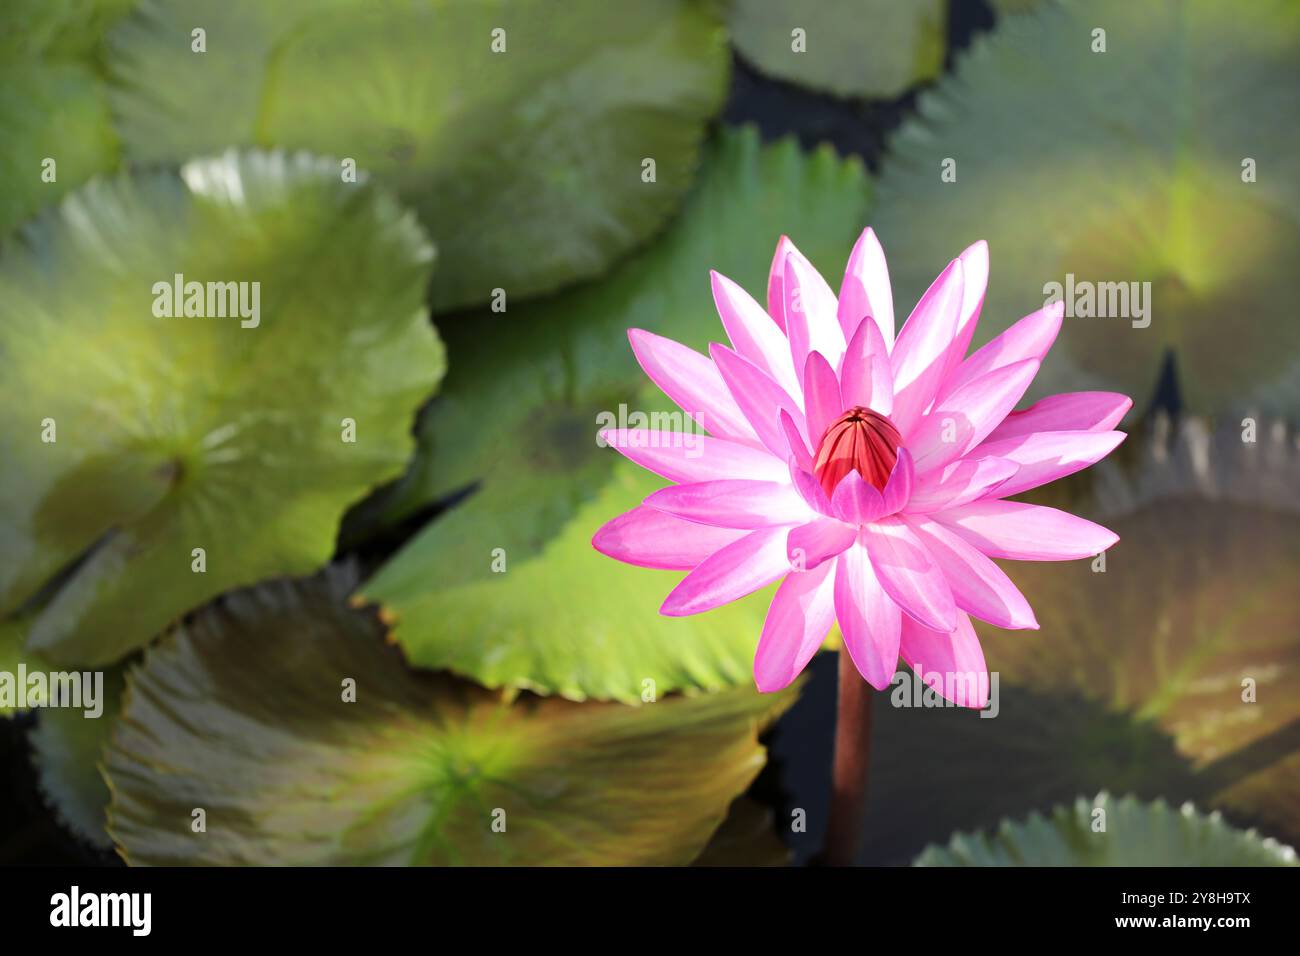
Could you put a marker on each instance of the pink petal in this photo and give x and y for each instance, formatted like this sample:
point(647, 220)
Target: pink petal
point(687, 457)
point(865, 290)
point(776, 282)
point(809, 488)
point(1069, 411)
point(959, 483)
point(760, 399)
point(652, 539)
point(975, 266)
point(821, 396)
point(692, 381)
point(1024, 532)
point(798, 620)
point(820, 539)
point(733, 503)
point(919, 359)
point(753, 333)
point(740, 568)
point(1030, 338)
point(909, 574)
point(866, 379)
point(856, 500)
point(978, 585)
point(1047, 456)
point(898, 489)
point(869, 621)
point(966, 416)
point(810, 313)
point(950, 664)
point(802, 456)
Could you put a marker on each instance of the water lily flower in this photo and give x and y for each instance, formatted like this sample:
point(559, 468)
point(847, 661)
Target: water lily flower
point(869, 473)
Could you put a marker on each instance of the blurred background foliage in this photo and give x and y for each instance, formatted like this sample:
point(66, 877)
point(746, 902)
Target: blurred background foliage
point(504, 206)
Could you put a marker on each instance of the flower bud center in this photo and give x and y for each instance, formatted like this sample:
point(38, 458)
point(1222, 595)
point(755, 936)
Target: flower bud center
point(859, 439)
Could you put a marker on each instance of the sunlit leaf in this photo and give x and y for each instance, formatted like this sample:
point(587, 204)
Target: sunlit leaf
point(524, 163)
point(130, 440)
point(244, 713)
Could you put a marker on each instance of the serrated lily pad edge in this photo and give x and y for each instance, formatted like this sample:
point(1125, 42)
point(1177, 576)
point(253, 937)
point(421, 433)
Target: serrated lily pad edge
point(1062, 817)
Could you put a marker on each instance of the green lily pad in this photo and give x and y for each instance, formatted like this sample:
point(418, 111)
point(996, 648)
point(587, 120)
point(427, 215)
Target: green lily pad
point(176, 434)
point(566, 620)
point(241, 713)
point(519, 414)
point(525, 165)
point(68, 750)
point(865, 48)
point(58, 133)
point(1175, 672)
point(1123, 166)
point(1134, 834)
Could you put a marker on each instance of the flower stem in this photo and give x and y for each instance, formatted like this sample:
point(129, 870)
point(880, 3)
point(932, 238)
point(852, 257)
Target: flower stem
point(852, 758)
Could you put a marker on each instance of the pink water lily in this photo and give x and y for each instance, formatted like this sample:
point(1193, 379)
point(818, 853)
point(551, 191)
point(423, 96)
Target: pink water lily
point(869, 473)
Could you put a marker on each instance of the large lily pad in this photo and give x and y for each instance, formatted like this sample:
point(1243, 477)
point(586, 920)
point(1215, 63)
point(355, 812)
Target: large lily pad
point(867, 48)
point(525, 165)
point(520, 414)
point(1118, 167)
point(174, 434)
point(241, 713)
point(1134, 834)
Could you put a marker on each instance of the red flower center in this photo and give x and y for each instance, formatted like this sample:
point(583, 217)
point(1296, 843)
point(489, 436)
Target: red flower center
point(859, 439)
